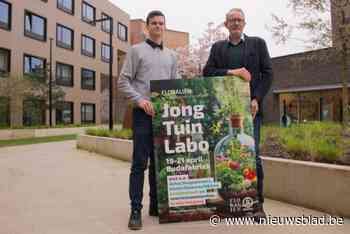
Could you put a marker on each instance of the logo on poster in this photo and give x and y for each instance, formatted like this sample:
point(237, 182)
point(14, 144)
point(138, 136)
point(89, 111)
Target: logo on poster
point(247, 204)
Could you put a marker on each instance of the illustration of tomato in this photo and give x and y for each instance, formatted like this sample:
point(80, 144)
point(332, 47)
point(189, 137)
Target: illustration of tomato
point(234, 165)
point(249, 174)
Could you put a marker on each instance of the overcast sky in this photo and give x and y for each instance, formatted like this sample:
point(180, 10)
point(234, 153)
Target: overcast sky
point(193, 16)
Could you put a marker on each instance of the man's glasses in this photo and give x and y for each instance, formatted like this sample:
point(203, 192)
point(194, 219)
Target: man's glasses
point(237, 20)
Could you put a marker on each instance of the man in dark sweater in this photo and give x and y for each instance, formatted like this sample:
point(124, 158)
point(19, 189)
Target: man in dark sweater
point(146, 61)
point(248, 58)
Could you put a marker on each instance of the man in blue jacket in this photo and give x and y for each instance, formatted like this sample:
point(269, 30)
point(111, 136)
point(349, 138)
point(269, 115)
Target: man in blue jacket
point(248, 58)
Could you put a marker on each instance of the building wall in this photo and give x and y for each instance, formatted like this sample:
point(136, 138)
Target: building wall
point(314, 68)
point(172, 38)
point(19, 45)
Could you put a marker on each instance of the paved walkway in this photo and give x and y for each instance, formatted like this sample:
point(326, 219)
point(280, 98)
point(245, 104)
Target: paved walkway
point(53, 188)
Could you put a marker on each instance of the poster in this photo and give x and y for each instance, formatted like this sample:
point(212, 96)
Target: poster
point(204, 148)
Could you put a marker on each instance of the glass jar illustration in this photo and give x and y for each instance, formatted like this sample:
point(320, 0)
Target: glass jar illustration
point(234, 158)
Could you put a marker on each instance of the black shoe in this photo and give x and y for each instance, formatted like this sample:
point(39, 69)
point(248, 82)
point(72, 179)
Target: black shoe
point(153, 210)
point(135, 221)
point(259, 213)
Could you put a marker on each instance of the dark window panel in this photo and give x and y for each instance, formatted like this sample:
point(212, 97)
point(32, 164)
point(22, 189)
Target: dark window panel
point(35, 26)
point(64, 74)
point(88, 13)
point(105, 53)
point(33, 64)
point(65, 113)
point(5, 62)
point(122, 32)
point(87, 46)
point(5, 15)
point(88, 79)
point(66, 5)
point(65, 37)
point(88, 113)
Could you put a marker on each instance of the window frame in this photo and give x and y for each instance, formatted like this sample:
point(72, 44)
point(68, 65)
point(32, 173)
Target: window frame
point(36, 102)
point(6, 73)
point(32, 34)
point(62, 8)
point(86, 20)
point(84, 86)
point(5, 103)
point(85, 52)
point(33, 56)
point(105, 15)
point(104, 59)
point(9, 23)
point(63, 103)
point(63, 83)
point(82, 116)
point(121, 25)
point(62, 44)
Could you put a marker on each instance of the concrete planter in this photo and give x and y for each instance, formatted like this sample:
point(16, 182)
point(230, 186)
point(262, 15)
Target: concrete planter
point(319, 186)
point(9, 134)
point(117, 148)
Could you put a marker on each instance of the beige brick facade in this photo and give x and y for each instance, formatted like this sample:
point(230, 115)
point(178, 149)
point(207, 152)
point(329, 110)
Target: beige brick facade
point(18, 44)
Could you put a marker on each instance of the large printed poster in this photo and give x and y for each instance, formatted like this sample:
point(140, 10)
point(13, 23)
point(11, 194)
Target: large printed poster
point(204, 148)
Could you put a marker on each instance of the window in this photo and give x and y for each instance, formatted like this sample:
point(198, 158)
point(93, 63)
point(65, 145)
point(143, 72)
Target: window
point(105, 53)
point(4, 111)
point(87, 79)
point(34, 64)
point(87, 113)
point(33, 112)
point(35, 26)
point(5, 15)
point(64, 74)
point(5, 60)
point(64, 113)
point(122, 32)
point(106, 24)
point(65, 37)
point(88, 46)
point(88, 13)
point(66, 5)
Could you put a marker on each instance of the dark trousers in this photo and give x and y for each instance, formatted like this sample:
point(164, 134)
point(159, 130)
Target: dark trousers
point(142, 152)
point(259, 166)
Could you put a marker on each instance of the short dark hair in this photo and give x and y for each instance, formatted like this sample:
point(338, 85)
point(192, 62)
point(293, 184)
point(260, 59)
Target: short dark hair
point(153, 14)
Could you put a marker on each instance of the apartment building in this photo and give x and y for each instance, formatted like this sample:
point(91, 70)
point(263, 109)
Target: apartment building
point(80, 56)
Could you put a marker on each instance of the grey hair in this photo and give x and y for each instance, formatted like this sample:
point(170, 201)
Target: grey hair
point(235, 9)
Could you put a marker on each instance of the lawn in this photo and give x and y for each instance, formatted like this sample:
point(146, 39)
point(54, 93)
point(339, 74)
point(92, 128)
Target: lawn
point(37, 140)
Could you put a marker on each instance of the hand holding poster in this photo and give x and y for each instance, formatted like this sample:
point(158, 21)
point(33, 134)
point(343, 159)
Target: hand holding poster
point(204, 148)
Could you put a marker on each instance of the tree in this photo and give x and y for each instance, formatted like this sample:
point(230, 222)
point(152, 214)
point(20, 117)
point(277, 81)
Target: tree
point(313, 18)
point(34, 87)
point(192, 59)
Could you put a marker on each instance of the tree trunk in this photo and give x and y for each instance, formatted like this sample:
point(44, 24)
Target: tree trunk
point(345, 92)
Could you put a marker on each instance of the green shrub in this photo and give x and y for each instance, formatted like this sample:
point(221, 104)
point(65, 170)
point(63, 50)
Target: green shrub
point(124, 134)
point(316, 141)
point(102, 132)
